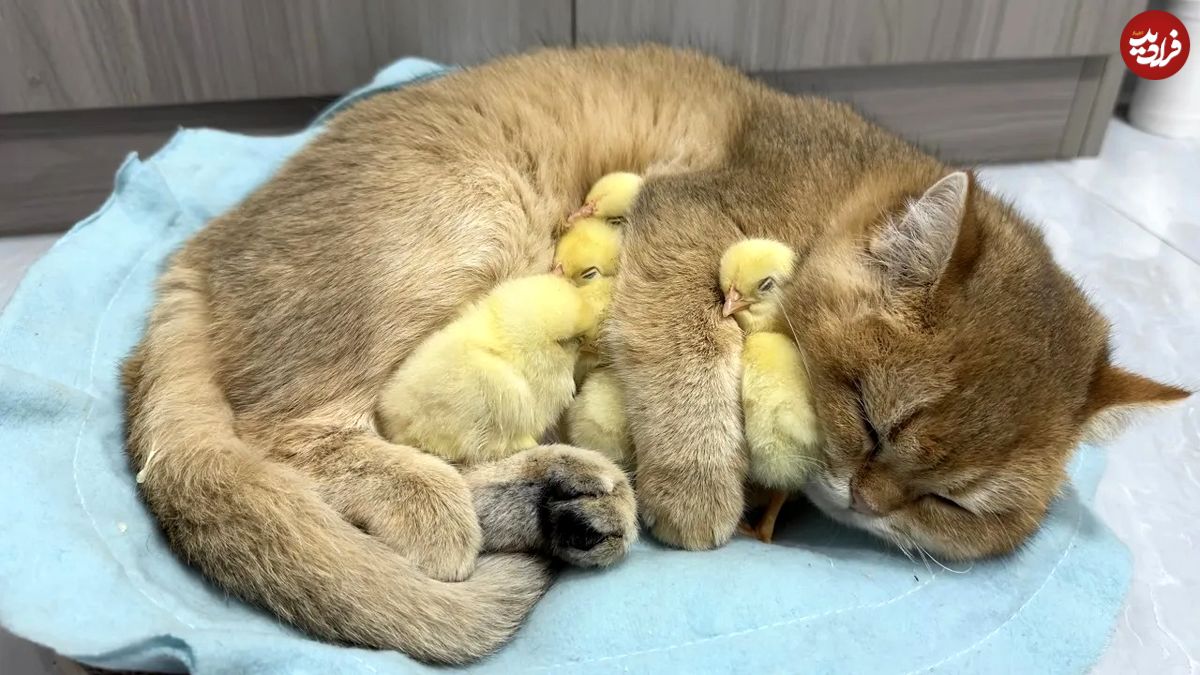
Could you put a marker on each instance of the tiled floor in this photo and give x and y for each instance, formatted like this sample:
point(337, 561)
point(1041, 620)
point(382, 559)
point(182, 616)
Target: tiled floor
point(1127, 224)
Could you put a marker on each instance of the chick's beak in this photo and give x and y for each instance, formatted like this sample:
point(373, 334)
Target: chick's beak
point(558, 270)
point(733, 303)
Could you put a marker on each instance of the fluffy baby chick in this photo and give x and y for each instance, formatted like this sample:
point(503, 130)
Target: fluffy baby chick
point(496, 378)
point(751, 274)
point(588, 251)
point(596, 418)
point(610, 197)
point(587, 255)
point(781, 428)
point(597, 294)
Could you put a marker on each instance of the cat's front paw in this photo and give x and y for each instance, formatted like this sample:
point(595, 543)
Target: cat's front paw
point(690, 514)
point(588, 512)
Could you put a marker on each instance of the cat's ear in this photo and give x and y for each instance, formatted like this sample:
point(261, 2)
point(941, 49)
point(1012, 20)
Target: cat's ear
point(915, 248)
point(1115, 394)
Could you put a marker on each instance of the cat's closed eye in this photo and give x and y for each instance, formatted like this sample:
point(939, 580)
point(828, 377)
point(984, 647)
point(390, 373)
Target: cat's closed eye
point(871, 437)
point(947, 502)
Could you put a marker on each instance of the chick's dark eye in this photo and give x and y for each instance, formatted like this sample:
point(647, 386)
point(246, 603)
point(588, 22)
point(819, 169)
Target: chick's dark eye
point(590, 273)
point(766, 285)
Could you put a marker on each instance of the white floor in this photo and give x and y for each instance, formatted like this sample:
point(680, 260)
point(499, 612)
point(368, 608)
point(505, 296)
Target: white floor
point(18, 657)
point(16, 255)
point(1127, 224)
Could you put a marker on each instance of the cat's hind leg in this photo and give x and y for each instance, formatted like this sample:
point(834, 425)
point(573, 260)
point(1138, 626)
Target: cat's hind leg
point(561, 501)
point(413, 501)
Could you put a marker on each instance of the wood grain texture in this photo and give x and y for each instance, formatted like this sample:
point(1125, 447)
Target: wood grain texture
point(59, 167)
point(70, 54)
point(797, 34)
point(1086, 92)
point(1108, 93)
point(967, 112)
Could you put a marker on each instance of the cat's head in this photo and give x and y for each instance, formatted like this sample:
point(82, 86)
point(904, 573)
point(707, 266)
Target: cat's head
point(954, 366)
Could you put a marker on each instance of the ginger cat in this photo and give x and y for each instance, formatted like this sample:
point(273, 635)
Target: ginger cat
point(954, 365)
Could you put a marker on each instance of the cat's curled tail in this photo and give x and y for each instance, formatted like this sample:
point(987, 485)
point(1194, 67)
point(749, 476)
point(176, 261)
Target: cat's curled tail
point(259, 529)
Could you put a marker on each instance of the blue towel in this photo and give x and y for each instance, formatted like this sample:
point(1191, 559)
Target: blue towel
point(84, 570)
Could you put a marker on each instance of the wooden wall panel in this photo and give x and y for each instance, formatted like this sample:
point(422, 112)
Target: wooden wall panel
point(796, 34)
point(988, 80)
point(58, 167)
point(68, 54)
point(967, 112)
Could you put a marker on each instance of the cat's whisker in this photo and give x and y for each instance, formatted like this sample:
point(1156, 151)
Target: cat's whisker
point(923, 554)
point(942, 565)
point(901, 541)
point(904, 551)
point(792, 327)
point(907, 543)
point(811, 463)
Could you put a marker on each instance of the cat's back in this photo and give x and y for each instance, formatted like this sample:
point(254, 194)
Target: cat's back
point(426, 197)
point(568, 115)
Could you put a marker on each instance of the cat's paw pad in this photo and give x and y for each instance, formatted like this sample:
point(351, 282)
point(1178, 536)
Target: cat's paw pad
point(571, 472)
point(588, 511)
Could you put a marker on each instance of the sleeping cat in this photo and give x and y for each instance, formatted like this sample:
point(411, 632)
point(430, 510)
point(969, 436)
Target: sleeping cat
point(953, 364)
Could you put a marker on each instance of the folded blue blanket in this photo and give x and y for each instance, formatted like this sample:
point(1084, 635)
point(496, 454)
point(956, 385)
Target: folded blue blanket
point(84, 570)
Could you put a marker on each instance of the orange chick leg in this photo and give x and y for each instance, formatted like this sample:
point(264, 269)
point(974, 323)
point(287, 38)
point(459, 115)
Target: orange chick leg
point(766, 526)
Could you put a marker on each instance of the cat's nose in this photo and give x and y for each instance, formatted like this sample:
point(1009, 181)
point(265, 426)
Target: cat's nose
point(859, 504)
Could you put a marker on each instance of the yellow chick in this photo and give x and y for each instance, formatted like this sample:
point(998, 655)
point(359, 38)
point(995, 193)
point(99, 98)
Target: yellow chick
point(751, 273)
point(587, 255)
point(781, 429)
point(495, 379)
point(597, 294)
point(589, 250)
point(610, 197)
point(596, 418)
